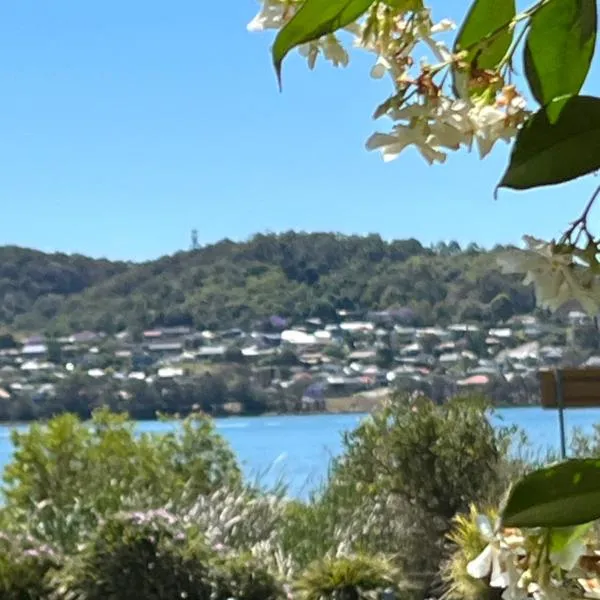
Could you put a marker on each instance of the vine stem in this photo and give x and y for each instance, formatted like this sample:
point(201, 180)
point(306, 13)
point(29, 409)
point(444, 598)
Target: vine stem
point(582, 220)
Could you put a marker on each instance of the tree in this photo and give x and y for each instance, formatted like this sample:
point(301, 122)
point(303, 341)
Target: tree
point(54, 351)
point(501, 308)
point(384, 358)
point(424, 461)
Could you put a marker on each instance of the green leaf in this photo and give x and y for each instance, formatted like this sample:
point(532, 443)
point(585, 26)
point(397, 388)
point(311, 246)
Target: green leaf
point(547, 153)
point(561, 537)
point(562, 495)
point(482, 35)
point(559, 50)
point(314, 19)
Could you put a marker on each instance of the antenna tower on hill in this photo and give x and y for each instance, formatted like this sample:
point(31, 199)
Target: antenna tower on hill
point(195, 244)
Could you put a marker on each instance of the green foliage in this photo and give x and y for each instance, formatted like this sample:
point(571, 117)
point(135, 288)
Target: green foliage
point(81, 394)
point(138, 555)
point(440, 458)
point(314, 19)
point(560, 495)
point(25, 565)
point(66, 475)
point(242, 577)
point(406, 471)
point(547, 153)
point(240, 284)
point(347, 578)
point(559, 49)
point(29, 277)
point(482, 33)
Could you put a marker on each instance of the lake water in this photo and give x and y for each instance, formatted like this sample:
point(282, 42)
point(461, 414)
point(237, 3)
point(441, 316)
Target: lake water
point(298, 448)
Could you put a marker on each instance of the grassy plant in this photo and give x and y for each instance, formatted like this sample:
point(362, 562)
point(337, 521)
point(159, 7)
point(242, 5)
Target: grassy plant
point(467, 543)
point(243, 577)
point(347, 578)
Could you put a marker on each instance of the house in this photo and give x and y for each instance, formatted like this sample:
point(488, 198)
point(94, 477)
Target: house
point(31, 350)
point(165, 348)
point(211, 352)
point(475, 381)
point(576, 317)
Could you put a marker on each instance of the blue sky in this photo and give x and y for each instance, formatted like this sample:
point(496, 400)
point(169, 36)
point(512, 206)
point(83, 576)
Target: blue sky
point(123, 125)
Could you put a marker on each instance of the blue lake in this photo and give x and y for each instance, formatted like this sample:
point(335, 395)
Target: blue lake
point(299, 448)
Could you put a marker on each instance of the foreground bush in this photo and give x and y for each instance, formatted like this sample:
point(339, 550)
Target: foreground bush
point(348, 578)
point(24, 568)
point(66, 475)
point(138, 555)
point(405, 473)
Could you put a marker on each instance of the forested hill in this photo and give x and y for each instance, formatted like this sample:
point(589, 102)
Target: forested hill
point(229, 284)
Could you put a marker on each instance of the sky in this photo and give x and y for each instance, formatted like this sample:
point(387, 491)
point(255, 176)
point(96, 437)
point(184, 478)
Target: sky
point(125, 125)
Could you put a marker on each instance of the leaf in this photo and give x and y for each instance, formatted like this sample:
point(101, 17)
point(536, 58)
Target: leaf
point(314, 19)
point(562, 495)
point(547, 153)
point(481, 34)
point(559, 50)
point(562, 537)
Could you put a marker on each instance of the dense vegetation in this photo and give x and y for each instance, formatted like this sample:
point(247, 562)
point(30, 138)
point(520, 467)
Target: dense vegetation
point(219, 394)
point(86, 504)
point(293, 275)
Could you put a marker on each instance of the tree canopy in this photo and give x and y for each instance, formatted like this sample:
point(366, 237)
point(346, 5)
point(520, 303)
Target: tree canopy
point(293, 275)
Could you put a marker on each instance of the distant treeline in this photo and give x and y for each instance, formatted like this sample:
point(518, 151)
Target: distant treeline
point(294, 275)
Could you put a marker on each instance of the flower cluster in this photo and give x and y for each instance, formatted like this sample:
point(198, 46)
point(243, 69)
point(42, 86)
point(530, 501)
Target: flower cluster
point(531, 564)
point(558, 272)
point(479, 110)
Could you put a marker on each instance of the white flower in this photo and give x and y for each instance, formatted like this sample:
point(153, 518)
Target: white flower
point(391, 144)
point(272, 15)
point(497, 559)
point(591, 587)
point(489, 124)
point(556, 278)
point(380, 68)
point(331, 49)
point(489, 562)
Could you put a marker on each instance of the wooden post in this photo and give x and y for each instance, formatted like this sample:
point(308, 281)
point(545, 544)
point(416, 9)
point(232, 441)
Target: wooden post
point(561, 413)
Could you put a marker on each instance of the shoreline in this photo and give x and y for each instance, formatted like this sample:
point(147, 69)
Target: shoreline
point(355, 410)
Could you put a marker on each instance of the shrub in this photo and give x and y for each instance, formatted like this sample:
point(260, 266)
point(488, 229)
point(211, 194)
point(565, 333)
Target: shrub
point(24, 568)
point(237, 519)
point(347, 578)
point(406, 472)
point(138, 555)
point(67, 474)
point(243, 578)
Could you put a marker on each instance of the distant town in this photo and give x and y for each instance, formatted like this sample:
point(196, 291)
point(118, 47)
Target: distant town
point(349, 365)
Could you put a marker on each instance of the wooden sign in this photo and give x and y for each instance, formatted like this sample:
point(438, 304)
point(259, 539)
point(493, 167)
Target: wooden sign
point(570, 388)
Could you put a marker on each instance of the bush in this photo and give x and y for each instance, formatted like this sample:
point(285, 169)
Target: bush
point(67, 474)
point(406, 472)
point(347, 578)
point(138, 555)
point(25, 565)
point(243, 578)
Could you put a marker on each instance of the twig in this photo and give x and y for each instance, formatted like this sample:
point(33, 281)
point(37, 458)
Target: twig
point(582, 220)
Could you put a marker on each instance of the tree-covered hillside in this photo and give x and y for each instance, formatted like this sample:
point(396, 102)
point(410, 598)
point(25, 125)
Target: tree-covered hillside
point(29, 277)
point(227, 284)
